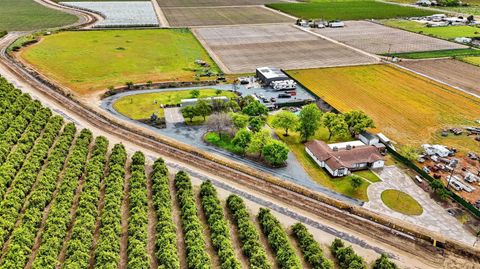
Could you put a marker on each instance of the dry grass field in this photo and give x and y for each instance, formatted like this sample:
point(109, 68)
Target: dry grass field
point(379, 39)
point(204, 16)
point(212, 3)
point(453, 72)
point(241, 49)
point(407, 108)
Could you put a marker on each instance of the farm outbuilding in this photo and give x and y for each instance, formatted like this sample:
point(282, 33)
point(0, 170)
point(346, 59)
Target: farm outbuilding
point(270, 74)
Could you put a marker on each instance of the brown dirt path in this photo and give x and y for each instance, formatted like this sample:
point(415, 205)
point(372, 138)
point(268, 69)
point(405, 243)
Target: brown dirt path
point(182, 255)
point(125, 215)
point(152, 220)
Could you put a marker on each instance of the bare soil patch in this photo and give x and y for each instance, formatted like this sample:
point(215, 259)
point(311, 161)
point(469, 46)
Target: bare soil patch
point(241, 49)
point(453, 72)
point(206, 16)
point(379, 39)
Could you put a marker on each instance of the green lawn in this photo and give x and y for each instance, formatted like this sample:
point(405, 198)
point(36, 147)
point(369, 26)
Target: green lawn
point(141, 106)
point(401, 202)
point(25, 15)
point(469, 10)
point(440, 54)
point(347, 10)
point(87, 61)
point(448, 32)
point(222, 141)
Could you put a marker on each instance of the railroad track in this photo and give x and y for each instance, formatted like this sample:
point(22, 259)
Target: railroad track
point(402, 235)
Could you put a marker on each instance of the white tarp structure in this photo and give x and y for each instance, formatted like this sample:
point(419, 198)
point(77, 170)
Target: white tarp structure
point(120, 14)
point(439, 150)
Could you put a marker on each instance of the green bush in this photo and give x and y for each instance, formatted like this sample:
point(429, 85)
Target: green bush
point(345, 256)
point(310, 248)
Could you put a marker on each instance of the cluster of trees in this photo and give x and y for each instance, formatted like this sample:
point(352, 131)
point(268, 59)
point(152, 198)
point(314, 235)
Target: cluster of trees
point(107, 252)
point(439, 189)
point(20, 104)
point(23, 237)
point(138, 220)
point(59, 215)
point(310, 248)
point(278, 240)
point(165, 231)
point(249, 237)
point(345, 256)
point(8, 95)
point(78, 247)
point(197, 256)
point(220, 233)
point(17, 157)
point(13, 200)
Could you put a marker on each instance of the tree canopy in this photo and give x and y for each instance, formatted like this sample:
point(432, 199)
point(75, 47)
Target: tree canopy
point(309, 117)
point(286, 120)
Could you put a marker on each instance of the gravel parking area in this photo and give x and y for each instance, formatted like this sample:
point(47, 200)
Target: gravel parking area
point(453, 72)
point(241, 49)
point(212, 3)
point(122, 13)
point(205, 16)
point(379, 39)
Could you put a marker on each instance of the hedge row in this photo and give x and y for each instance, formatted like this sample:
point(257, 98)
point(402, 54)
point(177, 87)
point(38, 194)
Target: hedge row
point(59, 215)
point(345, 256)
point(26, 177)
point(197, 256)
point(8, 95)
point(278, 240)
point(78, 247)
point(166, 236)
point(17, 157)
point(220, 233)
point(249, 237)
point(310, 248)
point(23, 237)
point(107, 252)
point(21, 103)
point(137, 222)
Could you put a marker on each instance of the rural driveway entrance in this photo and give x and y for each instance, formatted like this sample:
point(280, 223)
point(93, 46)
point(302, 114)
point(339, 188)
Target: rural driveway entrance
point(433, 218)
point(173, 116)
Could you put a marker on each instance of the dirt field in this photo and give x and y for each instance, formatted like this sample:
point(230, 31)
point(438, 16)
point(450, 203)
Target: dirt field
point(204, 16)
point(453, 72)
point(379, 39)
point(212, 3)
point(409, 109)
point(241, 49)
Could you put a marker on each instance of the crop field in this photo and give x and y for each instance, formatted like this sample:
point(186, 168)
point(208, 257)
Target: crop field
point(25, 15)
point(405, 107)
point(141, 106)
point(472, 60)
point(348, 10)
point(455, 53)
point(94, 60)
point(449, 32)
point(204, 16)
point(379, 39)
point(241, 49)
point(121, 14)
point(72, 200)
point(212, 3)
point(453, 72)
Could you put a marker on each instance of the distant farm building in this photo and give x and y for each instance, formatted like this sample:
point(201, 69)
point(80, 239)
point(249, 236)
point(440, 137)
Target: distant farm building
point(343, 158)
point(267, 75)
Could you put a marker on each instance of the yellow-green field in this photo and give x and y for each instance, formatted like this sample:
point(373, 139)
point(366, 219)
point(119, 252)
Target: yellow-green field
point(87, 61)
point(401, 202)
point(142, 106)
point(407, 108)
point(472, 60)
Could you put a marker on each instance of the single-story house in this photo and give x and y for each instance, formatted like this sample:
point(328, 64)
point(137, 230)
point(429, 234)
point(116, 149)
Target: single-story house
point(341, 161)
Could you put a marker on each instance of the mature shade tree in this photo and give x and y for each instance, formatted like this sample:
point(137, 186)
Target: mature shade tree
point(255, 108)
point(384, 263)
point(358, 122)
point(356, 181)
point(194, 93)
point(240, 121)
point(242, 139)
point(411, 153)
point(310, 117)
point(189, 112)
point(335, 123)
point(256, 123)
point(203, 108)
point(259, 140)
point(275, 152)
point(220, 123)
point(286, 120)
point(233, 106)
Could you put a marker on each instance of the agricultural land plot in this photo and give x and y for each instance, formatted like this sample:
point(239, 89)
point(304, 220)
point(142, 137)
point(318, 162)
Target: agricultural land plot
point(121, 14)
point(379, 39)
point(462, 54)
point(25, 15)
point(453, 72)
point(408, 108)
point(447, 32)
point(472, 60)
point(348, 10)
point(204, 16)
point(94, 60)
point(242, 49)
point(212, 3)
